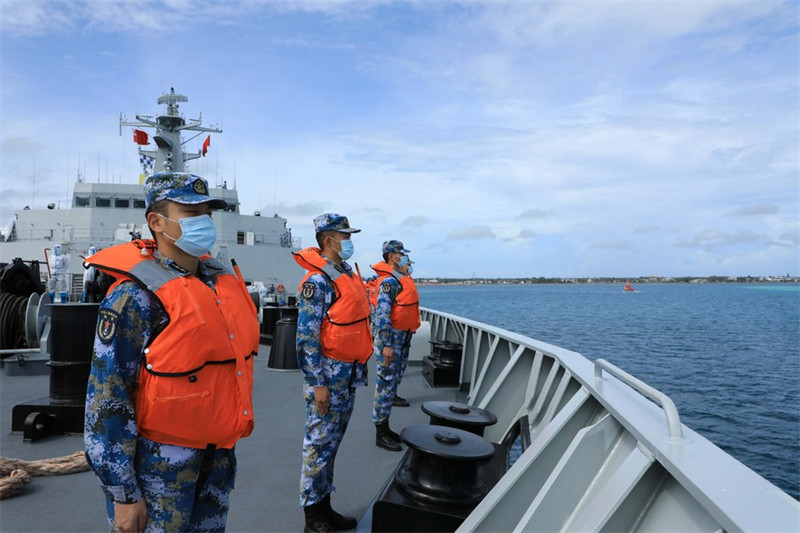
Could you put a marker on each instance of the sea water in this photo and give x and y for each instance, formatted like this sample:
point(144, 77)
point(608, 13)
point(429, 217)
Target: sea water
point(727, 354)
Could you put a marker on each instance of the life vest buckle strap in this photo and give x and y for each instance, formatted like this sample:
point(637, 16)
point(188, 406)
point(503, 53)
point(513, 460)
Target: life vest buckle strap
point(196, 370)
point(352, 375)
point(206, 465)
point(327, 316)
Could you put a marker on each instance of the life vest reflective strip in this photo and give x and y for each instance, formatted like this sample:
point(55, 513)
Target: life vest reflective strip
point(405, 311)
point(345, 331)
point(192, 393)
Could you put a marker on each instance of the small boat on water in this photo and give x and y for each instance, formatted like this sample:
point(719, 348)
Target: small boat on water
point(628, 287)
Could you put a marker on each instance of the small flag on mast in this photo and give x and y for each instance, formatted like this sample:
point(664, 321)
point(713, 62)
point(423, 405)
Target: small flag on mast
point(147, 163)
point(140, 137)
point(206, 144)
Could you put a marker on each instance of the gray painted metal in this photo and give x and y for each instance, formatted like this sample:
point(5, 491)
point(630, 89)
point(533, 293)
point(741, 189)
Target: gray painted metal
point(671, 412)
point(601, 457)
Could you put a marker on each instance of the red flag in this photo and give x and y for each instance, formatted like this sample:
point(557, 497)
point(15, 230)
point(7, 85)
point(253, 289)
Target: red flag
point(140, 137)
point(206, 144)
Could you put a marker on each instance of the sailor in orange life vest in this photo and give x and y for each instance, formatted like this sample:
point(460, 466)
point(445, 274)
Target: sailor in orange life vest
point(170, 389)
point(395, 317)
point(333, 346)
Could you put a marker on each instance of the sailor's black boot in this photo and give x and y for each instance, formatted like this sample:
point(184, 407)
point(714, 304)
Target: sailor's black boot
point(396, 437)
point(317, 520)
point(337, 521)
point(399, 402)
point(384, 438)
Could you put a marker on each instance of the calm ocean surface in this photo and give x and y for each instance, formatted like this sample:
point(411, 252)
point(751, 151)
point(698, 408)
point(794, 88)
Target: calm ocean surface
point(727, 354)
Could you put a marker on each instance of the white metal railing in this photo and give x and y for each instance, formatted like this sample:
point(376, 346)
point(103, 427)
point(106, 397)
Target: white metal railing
point(671, 412)
point(601, 455)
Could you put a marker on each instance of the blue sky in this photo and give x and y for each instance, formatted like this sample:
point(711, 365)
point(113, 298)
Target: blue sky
point(569, 139)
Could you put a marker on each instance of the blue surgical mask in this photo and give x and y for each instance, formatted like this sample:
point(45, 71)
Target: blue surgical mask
point(198, 234)
point(346, 251)
point(410, 269)
point(403, 260)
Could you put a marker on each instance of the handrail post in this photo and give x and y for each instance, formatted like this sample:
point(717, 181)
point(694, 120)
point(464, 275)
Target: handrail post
point(666, 403)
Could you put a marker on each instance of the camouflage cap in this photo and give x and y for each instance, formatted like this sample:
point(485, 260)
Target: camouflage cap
point(179, 187)
point(394, 246)
point(333, 222)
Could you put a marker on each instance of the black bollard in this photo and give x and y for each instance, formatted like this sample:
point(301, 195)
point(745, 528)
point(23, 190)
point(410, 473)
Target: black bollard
point(269, 317)
point(283, 354)
point(442, 368)
point(437, 483)
point(72, 331)
point(459, 415)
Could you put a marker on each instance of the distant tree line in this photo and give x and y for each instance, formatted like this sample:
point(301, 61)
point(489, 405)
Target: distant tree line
point(640, 280)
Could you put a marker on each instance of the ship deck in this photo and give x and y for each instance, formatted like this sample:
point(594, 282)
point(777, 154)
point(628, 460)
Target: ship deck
point(266, 493)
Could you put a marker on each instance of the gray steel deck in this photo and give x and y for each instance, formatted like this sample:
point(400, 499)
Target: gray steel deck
point(266, 493)
point(607, 452)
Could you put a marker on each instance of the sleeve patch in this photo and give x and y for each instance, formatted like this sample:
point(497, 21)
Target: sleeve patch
point(107, 325)
point(308, 290)
point(385, 287)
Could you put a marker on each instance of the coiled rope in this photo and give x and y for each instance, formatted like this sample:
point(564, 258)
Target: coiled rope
point(16, 473)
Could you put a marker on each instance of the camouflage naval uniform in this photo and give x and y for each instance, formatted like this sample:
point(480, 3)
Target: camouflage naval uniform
point(387, 377)
point(323, 433)
point(131, 467)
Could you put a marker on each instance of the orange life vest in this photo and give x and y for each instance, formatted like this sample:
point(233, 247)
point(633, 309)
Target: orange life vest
point(405, 311)
point(345, 333)
point(196, 385)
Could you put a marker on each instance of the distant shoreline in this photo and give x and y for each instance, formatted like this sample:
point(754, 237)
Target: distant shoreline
point(608, 281)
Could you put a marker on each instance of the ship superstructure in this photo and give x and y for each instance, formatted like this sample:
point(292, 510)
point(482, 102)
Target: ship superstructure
point(104, 214)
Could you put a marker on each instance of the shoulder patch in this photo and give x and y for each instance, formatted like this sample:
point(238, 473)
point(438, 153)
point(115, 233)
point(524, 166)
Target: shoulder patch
point(308, 290)
point(107, 325)
point(385, 287)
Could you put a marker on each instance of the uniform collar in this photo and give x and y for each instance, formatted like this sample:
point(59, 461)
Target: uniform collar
point(204, 272)
point(342, 267)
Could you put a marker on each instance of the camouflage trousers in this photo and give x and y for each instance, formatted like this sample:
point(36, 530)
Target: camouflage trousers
point(387, 379)
point(323, 434)
point(168, 475)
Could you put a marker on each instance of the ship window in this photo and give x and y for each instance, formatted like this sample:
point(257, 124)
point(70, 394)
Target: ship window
point(81, 201)
point(103, 202)
point(138, 204)
point(122, 202)
point(239, 237)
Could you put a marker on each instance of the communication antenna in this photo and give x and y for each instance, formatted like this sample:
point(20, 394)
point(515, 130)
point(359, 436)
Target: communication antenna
point(69, 161)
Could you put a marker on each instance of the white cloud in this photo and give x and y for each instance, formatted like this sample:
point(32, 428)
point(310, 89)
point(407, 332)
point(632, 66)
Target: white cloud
point(711, 240)
point(416, 221)
point(471, 232)
point(602, 135)
point(534, 213)
point(791, 236)
point(756, 210)
point(646, 228)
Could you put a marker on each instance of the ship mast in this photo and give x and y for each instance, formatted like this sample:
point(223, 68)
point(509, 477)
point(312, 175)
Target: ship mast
point(168, 153)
